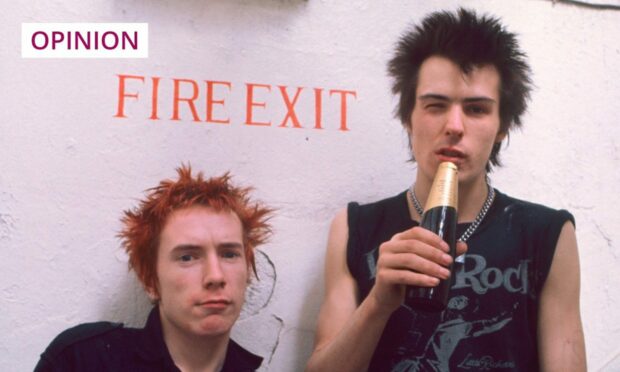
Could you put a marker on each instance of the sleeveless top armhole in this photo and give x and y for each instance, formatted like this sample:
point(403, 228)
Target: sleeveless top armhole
point(353, 240)
point(552, 235)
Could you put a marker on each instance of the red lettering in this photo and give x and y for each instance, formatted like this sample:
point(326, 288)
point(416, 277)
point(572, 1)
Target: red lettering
point(120, 112)
point(290, 106)
point(211, 101)
point(250, 104)
point(343, 106)
point(185, 92)
point(154, 97)
point(318, 106)
point(190, 101)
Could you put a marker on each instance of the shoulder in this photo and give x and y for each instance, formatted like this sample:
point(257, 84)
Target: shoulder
point(370, 213)
point(78, 337)
point(239, 359)
point(377, 206)
point(80, 333)
point(532, 213)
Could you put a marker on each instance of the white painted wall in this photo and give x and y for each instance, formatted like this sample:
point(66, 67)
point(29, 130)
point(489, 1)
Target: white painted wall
point(68, 167)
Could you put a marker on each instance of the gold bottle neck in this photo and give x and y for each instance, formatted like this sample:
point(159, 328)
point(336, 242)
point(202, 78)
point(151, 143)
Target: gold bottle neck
point(444, 190)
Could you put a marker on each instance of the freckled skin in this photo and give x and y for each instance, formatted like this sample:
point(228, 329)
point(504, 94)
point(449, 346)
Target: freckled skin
point(202, 272)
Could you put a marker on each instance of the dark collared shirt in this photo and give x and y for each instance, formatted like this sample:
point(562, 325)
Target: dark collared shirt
point(106, 346)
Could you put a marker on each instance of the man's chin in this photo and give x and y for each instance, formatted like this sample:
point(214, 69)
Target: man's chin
point(214, 327)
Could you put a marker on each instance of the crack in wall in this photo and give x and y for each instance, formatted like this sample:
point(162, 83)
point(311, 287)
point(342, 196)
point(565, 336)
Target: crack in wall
point(260, 292)
point(7, 226)
point(274, 276)
point(588, 4)
point(275, 346)
point(606, 237)
point(613, 358)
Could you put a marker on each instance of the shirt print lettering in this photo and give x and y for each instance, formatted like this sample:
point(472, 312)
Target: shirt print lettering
point(481, 278)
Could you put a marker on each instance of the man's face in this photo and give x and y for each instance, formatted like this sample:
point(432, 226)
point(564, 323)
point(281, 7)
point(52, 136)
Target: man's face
point(202, 271)
point(455, 118)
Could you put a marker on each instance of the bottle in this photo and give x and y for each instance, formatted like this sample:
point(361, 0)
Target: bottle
point(440, 217)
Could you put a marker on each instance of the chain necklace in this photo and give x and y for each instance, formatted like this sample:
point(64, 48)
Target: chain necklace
point(474, 225)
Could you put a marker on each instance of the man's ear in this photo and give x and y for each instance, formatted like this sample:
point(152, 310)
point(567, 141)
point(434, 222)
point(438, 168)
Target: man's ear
point(251, 273)
point(408, 128)
point(152, 293)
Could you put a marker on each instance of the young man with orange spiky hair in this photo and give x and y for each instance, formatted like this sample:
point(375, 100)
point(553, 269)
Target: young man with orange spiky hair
point(191, 243)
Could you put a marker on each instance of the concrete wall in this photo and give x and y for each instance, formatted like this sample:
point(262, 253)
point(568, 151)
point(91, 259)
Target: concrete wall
point(68, 166)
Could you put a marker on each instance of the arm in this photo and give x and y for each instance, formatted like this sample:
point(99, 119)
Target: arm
point(347, 331)
point(561, 344)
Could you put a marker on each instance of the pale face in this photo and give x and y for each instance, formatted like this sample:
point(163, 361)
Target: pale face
point(202, 272)
point(455, 118)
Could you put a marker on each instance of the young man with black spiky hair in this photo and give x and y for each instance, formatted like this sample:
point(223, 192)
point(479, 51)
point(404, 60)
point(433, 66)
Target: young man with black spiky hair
point(463, 84)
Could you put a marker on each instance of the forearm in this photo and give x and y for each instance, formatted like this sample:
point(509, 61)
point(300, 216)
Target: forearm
point(348, 334)
point(352, 348)
point(565, 353)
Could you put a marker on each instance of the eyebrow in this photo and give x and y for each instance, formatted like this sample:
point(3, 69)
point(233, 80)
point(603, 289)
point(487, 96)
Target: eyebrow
point(441, 97)
point(194, 247)
point(230, 245)
point(185, 248)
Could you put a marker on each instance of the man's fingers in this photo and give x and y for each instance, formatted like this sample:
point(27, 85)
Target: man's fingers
point(461, 247)
point(415, 263)
point(415, 257)
point(416, 247)
point(407, 277)
point(423, 235)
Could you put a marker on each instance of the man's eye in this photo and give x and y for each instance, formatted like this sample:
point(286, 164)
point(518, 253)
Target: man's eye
point(231, 254)
point(186, 258)
point(435, 106)
point(477, 110)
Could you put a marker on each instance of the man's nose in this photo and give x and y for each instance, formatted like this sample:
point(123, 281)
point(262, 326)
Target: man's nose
point(454, 122)
point(213, 275)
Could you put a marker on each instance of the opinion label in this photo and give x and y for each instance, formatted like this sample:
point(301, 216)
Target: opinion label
point(85, 40)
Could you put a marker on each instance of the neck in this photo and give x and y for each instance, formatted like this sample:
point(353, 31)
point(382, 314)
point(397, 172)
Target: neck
point(194, 353)
point(471, 196)
point(471, 199)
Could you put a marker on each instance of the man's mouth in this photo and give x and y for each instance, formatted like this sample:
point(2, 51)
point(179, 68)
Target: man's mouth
point(217, 303)
point(450, 153)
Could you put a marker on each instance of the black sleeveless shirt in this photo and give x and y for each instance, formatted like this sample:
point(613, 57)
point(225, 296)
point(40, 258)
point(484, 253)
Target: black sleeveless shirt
point(490, 322)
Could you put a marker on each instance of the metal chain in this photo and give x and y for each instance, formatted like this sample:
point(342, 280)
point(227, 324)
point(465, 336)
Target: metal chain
point(474, 225)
